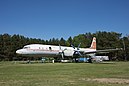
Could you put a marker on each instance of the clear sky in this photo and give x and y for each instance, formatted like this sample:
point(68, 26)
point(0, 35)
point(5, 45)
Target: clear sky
point(46, 19)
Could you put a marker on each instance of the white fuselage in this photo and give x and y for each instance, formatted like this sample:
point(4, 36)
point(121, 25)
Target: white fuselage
point(54, 51)
point(49, 50)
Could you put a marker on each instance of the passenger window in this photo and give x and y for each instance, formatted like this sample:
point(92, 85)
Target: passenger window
point(50, 48)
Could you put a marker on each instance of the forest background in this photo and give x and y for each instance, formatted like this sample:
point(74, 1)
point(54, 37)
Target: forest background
point(105, 40)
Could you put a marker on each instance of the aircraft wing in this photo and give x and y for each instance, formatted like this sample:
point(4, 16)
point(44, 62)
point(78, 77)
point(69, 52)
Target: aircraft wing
point(109, 50)
point(102, 51)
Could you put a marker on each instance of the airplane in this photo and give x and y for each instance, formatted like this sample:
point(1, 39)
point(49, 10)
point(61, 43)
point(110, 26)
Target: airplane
point(41, 50)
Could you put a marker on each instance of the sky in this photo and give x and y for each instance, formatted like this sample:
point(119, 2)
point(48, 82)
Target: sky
point(47, 19)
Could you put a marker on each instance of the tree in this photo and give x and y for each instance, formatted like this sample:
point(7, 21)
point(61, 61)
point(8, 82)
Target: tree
point(69, 41)
point(62, 42)
point(105, 40)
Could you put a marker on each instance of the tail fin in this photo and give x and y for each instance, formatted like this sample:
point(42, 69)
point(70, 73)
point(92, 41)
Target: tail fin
point(93, 44)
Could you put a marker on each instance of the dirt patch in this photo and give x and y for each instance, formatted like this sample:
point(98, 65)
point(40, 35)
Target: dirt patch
point(112, 80)
point(108, 80)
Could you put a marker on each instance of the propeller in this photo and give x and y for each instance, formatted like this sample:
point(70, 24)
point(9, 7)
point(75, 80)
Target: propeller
point(77, 50)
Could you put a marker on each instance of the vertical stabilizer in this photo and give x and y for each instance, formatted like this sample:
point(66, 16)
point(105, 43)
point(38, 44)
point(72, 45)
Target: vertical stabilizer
point(93, 44)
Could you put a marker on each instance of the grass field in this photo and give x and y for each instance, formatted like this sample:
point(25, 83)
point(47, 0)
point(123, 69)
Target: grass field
point(64, 74)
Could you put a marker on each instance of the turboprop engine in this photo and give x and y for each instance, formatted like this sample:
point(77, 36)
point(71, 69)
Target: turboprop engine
point(68, 53)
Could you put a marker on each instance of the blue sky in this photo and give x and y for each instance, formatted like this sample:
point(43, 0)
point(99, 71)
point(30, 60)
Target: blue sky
point(46, 19)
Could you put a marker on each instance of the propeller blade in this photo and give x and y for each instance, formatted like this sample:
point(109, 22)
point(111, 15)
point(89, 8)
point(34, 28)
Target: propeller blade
point(62, 55)
point(61, 52)
point(79, 53)
point(72, 46)
point(59, 47)
point(78, 46)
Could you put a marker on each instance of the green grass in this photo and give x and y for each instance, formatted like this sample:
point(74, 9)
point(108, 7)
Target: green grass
point(62, 74)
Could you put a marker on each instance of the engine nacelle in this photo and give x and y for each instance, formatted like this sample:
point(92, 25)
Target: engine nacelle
point(68, 53)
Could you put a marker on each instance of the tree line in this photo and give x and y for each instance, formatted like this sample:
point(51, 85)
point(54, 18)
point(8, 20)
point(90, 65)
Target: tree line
point(105, 40)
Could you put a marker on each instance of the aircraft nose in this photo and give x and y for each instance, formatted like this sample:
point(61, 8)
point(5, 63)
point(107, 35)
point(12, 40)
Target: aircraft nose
point(19, 52)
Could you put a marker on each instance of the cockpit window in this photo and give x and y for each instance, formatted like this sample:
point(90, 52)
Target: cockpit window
point(26, 47)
